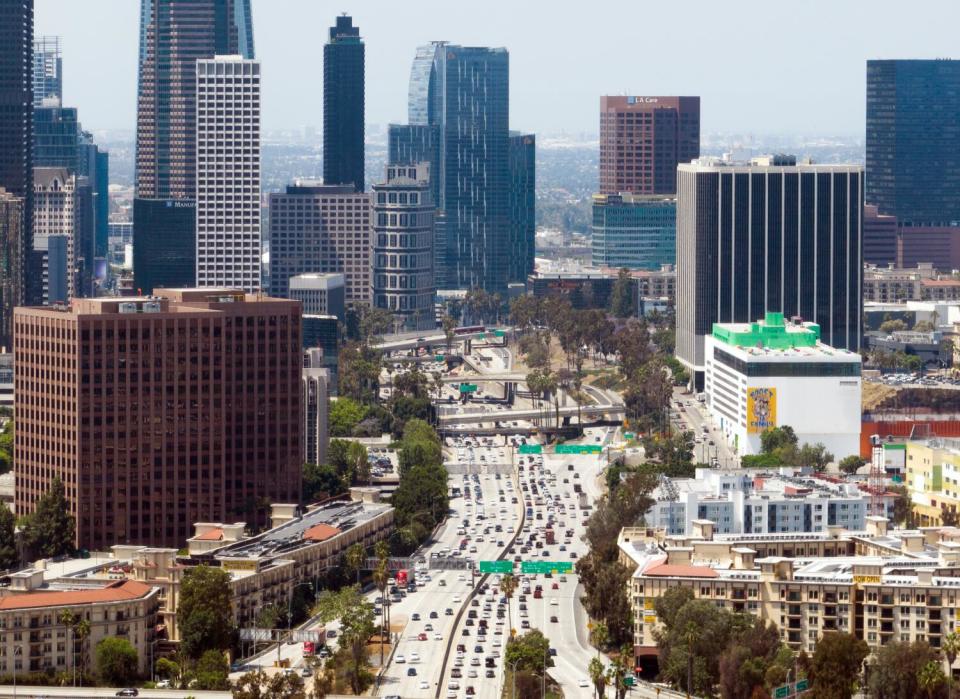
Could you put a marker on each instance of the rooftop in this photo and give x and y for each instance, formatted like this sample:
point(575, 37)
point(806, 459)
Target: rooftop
point(119, 591)
point(771, 332)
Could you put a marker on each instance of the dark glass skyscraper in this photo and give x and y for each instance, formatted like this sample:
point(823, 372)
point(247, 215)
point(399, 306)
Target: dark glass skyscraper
point(16, 136)
point(175, 34)
point(47, 69)
point(164, 244)
point(343, 58)
point(464, 92)
point(56, 136)
point(913, 140)
point(768, 236)
point(523, 225)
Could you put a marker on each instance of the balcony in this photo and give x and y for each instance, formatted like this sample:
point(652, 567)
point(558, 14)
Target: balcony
point(886, 614)
point(830, 597)
point(886, 627)
point(886, 600)
point(738, 594)
point(794, 624)
point(793, 597)
point(829, 611)
point(934, 601)
point(830, 626)
point(793, 610)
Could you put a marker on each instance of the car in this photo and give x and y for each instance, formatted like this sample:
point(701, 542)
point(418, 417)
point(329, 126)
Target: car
point(470, 691)
point(525, 624)
point(583, 682)
point(434, 615)
point(553, 602)
point(422, 636)
point(306, 672)
point(414, 657)
point(438, 636)
point(553, 652)
point(475, 661)
point(128, 692)
point(553, 620)
point(555, 586)
point(465, 632)
point(332, 633)
point(400, 658)
point(428, 627)
point(415, 616)
point(448, 611)
point(411, 672)
point(164, 684)
point(423, 685)
point(490, 673)
point(453, 684)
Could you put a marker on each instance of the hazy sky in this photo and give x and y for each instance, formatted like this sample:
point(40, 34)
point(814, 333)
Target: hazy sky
point(760, 66)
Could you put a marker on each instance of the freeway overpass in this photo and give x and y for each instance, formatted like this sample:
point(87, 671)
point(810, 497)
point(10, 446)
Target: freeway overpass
point(548, 412)
point(512, 376)
point(392, 343)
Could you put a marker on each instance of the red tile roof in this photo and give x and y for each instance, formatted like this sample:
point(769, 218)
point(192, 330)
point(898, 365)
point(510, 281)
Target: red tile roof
point(320, 532)
point(667, 570)
point(119, 591)
point(212, 535)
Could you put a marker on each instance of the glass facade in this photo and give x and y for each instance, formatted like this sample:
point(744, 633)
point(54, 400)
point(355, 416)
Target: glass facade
point(343, 75)
point(164, 244)
point(56, 137)
point(786, 368)
point(913, 140)
point(47, 69)
point(634, 232)
point(523, 199)
point(464, 92)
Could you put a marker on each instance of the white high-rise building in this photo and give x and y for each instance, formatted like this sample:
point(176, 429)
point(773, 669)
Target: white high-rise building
point(228, 173)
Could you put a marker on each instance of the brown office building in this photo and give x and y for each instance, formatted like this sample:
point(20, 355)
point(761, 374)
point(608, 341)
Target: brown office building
point(159, 412)
point(643, 139)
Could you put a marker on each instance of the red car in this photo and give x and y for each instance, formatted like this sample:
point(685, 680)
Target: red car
point(422, 636)
point(555, 586)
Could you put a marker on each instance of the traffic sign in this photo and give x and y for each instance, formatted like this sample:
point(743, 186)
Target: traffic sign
point(629, 681)
point(530, 449)
point(782, 692)
point(534, 567)
point(496, 567)
point(468, 388)
point(802, 685)
point(578, 449)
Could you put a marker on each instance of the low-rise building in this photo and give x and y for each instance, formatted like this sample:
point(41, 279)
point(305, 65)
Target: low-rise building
point(878, 585)
point(920, 283)
point(771, 373)
point(34, 635)
point(753, 501)
point(933, 479)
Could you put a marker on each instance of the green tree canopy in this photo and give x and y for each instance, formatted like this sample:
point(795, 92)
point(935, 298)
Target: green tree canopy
point(116, 662)
point(345, 415)
point(895, 670)
point(529, 652)
point(775, 438)
point(50, 530)
point(851, 464)
point(835, 666)
point(623, 303)
point(356, 626)
point(260, 685)
point(212, 671)
point(8, 543)
point(204, 615)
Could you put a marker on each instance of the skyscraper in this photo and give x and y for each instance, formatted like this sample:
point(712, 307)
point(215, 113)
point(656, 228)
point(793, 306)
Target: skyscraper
point(523, 199)
point(206, 434)
point(642, 139)
point(47, 69)
point(16, 136)
point(11, 263)
point(343, 86)
point(168, 258)
point(634, 231)
point(56, 136)
point(403, 281)
point(228, 173)
point(321, 228)
point(913, 142)
point(464, 92)
point(768, 236)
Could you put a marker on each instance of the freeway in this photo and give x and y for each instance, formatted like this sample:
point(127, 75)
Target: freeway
point(612, 410)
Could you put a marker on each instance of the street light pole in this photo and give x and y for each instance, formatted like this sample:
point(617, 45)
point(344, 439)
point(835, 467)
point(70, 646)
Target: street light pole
point(16, 650)
point(290, 615)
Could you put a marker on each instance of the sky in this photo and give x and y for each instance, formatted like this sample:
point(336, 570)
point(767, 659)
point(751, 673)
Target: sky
point(760, 66)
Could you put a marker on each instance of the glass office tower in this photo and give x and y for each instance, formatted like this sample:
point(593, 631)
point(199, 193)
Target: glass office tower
point(343, 58)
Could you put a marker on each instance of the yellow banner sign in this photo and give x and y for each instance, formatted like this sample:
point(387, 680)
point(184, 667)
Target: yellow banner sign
point(648, 604)
point(649, 619)
point(239, 564)
point(761, 409)
point(860, 579)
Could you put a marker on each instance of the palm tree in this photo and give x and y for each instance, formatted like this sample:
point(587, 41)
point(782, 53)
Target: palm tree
point(951, 648)
point(930, 678)
point(598, 677)
point(508, 585)
point(356, 557)
point(380, 577)
point(69, 620)
point(81, 631)
point(600, 635)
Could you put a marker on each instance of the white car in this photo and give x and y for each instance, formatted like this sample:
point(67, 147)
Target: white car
point(414, 657)
point(553, 602)
point(424, 684)
point(438, 637)
point(583, 682)
point(399, 658)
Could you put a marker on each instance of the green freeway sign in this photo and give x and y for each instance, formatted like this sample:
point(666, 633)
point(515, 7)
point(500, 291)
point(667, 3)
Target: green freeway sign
point(629, 681)
point(782, 692)
point(530, 449)
point(545, 567)
point(802, 685)
point(496, 566)
point(468, 388)
point(499, 333)
point(578, 449)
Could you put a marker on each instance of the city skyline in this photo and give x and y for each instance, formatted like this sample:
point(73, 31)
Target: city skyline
point(788, 92)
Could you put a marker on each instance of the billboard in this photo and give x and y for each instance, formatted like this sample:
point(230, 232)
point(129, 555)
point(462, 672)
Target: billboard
point(761, 409)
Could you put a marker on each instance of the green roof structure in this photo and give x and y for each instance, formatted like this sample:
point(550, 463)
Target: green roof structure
point(771, 332)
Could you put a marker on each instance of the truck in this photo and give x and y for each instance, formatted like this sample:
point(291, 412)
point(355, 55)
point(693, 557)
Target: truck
point(405, 577)
point(582, 501)
point(308, 647)
point(549, 536)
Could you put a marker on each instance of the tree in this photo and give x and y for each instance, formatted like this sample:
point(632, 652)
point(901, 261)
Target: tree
point(116, 662)
point(815, 455)
point(851, 464)
point(168, 669)
point(356, 626)
point(320, 482)
point(774, 438)
point(211, 672)
point(950, 645)
point(356, 558)
point(622, 298)
point(204, 614)
point(449, 325)
point(902, 506)
point(598, 676)
point(895, 671)
point(374, 322)
point(260, 685)
point(528, 652)
point(620, 669)
point(891, 326)
point(508, 585)
point(359, 463)
point(8, 543)
point(345, 415)
point(835, 666)
point(50, 530)
point(931, 678)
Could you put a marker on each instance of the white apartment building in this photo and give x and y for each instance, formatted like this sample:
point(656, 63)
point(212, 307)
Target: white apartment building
point(751, 501)
point(228, 173)
point(770, 373)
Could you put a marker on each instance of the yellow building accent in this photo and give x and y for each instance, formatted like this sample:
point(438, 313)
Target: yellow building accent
point(761, 409)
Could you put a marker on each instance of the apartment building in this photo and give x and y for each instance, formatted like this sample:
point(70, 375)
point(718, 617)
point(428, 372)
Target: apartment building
point(892, 284)
point(33, 638)
point(879, 585)
point(933, 479)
